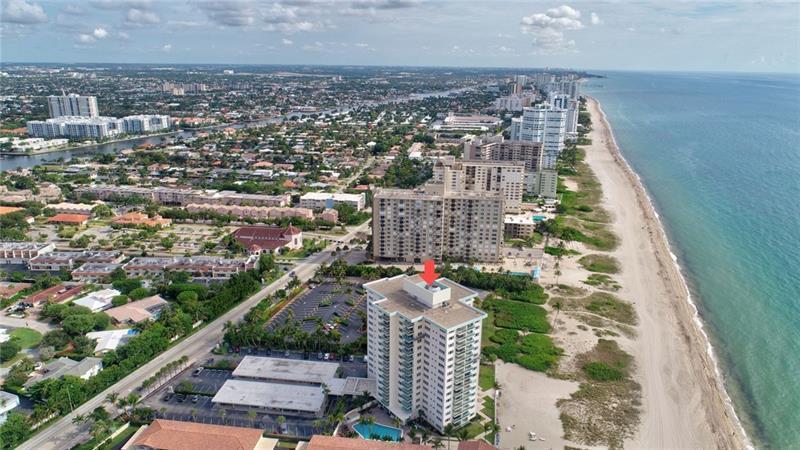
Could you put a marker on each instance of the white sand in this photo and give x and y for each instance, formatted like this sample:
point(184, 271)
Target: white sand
point(528, 402)
point(684, 405)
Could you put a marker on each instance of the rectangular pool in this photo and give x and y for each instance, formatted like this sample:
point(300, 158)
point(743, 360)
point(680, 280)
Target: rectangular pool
point(377, 431)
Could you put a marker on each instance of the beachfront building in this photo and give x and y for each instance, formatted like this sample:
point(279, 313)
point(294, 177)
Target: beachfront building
point(504, 177)
point(319, 201)
point(72, 105)
point(423, 348)
point(542, 124)
point(513, 102)
point(433, 223)
point(539, 180)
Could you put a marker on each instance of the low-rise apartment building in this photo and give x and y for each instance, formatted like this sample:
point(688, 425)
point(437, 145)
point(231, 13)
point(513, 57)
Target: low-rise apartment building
point(325, 200)
point(204, 269)
point(182, 197)
point(15, 252)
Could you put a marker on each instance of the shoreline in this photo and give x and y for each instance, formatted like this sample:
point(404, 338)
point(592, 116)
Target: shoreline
point(711, 398)
point(86, 146)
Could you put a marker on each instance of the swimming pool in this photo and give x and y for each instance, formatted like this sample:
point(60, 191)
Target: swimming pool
point(378, 431)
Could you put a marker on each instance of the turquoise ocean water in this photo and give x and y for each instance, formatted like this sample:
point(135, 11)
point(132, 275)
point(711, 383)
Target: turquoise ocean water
point(720, 157)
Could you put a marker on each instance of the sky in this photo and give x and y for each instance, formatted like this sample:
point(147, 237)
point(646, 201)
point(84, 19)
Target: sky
point(739, 36)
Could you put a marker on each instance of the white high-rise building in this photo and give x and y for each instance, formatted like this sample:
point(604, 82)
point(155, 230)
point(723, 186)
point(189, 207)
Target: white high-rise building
point(572, 106)
point(72, 105)
point(539, 180)
point(544, 124)
point(145, 122)
point(505, 177)
point(423, 348)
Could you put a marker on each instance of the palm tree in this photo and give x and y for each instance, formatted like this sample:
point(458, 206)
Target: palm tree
point(436, 443)
point(448, 431)
point(112, 397)
point(222, 414)
point(462, 434)
point(193, 413)
point(557, 305)
point(78, 419)
point(252, 414)
point(281, 422)
point(412, 434)
point(426, 434)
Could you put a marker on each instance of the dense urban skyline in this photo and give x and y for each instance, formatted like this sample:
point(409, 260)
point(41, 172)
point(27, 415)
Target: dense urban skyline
point(694, 36)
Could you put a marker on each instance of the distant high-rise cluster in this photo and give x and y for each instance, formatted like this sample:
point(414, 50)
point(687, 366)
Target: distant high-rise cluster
point(183, 88)
point(72, 105)
point(77, 117)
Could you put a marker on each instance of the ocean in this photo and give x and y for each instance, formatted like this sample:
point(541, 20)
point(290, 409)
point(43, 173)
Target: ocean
point(719, 155)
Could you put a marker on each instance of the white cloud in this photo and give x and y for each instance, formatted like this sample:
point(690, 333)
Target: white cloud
point(141, 17)
point(166, 47)
point(86, 39)
point(361, 45)
point(230, 13)
point(315, 47)
point(594, 19)
point(548, 29)
point(121, 4)
point(73, 10)
point(100, 33)
point(285, 41)
point(22, 12)
point(123, 36)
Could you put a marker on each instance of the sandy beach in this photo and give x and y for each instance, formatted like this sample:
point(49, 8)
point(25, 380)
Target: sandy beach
point(684, 405)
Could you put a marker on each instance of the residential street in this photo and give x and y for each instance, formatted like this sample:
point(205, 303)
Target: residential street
point(64, 434)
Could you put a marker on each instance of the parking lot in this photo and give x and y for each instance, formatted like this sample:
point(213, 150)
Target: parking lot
point(197, 406)
point(329, 302)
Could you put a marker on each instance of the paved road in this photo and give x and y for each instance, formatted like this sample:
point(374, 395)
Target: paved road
point(13, 322)
point(63, 434)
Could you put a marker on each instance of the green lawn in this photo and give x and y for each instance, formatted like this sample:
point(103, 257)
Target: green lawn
point(486, 377)
point(27, 337)
point(473, 428)
point(488, 406)
point(519, 316)
point(119, 441)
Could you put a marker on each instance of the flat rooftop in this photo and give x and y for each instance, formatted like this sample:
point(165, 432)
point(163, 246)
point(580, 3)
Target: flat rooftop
point(397, 300)
point(262, 394)
point(290, 370)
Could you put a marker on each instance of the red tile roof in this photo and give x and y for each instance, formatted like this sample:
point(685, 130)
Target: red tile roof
point(68, 218)
point(173, 435)
point(268, 238)
point(319, 442)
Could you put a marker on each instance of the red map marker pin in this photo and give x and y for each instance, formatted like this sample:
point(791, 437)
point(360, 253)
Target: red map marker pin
point(429, 275)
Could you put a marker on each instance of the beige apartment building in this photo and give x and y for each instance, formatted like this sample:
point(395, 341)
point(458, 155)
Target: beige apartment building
point(433, 223)
point(505, 177)
point(540, 178)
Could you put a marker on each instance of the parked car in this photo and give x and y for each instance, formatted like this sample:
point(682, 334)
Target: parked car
point(319, 355)
point(167, 397)
point(327, 356)
point(195, 398)
point(180, 398)
point(197, 372)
